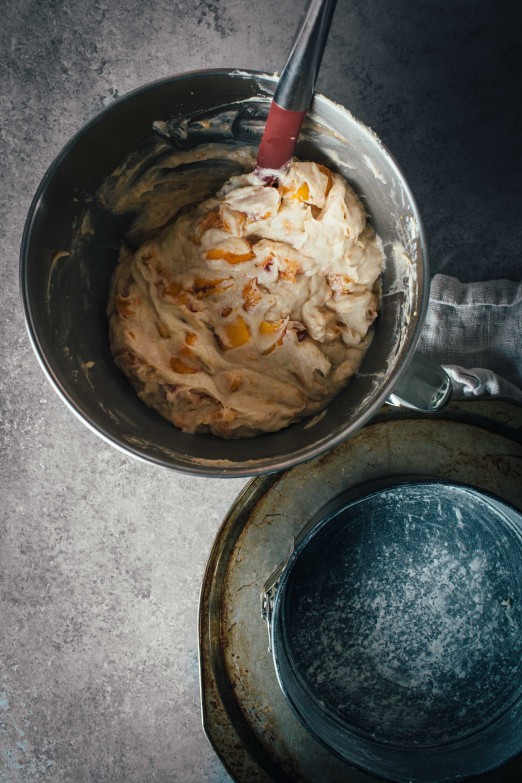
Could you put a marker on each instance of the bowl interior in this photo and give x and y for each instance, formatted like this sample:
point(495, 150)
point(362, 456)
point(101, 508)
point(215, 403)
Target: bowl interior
point(71, 245)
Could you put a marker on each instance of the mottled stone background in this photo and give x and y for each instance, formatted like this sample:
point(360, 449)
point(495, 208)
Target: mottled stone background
point(101, 557)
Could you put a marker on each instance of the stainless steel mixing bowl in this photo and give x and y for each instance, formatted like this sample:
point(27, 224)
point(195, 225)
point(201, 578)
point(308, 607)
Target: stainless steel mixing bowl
point(65, 282)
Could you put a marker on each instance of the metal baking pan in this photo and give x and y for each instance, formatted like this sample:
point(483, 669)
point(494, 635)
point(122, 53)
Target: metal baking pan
point(245, 715)
point(396, 629)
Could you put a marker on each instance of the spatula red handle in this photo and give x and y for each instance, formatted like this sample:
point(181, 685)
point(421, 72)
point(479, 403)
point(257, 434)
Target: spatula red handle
point(280, 137)
point(295, 87)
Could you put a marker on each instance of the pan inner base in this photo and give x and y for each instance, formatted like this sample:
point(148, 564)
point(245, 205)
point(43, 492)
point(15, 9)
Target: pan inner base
point(403, 614)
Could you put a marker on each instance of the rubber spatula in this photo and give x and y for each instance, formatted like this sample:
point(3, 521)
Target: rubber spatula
point(294, 90)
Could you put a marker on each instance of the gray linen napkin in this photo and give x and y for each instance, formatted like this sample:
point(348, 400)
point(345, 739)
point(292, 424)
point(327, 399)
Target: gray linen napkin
point(474, 331)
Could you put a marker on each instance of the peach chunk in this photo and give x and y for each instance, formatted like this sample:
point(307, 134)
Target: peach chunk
point(210, 220)
point(237, 332)
point(204, 287)
point(270, 327)
point(303, 193)
point(251, 295)
point(291, 270)
point(173, 289)
point(179, 366)
point(327, 174)
point(218, 254)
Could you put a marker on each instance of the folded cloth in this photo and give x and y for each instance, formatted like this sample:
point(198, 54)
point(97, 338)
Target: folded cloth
point(474, 331)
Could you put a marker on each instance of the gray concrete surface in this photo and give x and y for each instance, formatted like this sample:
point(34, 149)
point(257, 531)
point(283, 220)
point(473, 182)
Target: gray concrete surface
point(101, 557)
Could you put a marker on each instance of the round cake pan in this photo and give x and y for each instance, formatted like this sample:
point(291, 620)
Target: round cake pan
point(396, 629)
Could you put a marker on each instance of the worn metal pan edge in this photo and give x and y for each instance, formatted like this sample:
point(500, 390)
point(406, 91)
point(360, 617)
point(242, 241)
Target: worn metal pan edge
point(245, 759)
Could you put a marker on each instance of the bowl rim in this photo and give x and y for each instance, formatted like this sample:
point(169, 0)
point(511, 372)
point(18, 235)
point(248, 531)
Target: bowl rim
point(180, 462)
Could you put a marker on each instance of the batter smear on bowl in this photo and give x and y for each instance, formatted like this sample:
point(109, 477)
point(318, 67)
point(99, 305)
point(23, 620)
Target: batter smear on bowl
point(251, 310)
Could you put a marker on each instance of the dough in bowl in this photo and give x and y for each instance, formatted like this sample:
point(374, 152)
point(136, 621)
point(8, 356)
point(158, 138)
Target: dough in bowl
point(251, 310)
